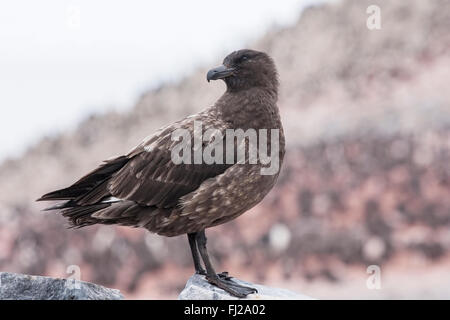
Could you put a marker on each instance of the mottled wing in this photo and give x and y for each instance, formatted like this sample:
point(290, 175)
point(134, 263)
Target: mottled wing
point(151, 178)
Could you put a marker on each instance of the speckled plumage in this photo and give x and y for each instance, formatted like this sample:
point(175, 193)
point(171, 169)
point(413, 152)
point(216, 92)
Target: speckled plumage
point(144, 188)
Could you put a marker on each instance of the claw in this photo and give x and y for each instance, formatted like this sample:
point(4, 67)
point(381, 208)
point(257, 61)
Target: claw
point(225, 283)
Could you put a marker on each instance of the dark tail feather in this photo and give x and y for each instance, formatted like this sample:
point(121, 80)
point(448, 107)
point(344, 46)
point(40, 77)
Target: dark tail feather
point(66, 193)
point(88, 182)
point(80, 216)
point(123, 213)
point(94, 195)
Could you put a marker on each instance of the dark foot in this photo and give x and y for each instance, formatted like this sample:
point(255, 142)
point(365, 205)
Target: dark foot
point(201, 272)
point(224, 282)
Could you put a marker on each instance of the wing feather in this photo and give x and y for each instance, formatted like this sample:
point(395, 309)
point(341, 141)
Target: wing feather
point(151, 178)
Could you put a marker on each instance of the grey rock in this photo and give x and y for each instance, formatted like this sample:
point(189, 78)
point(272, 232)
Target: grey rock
point(198, 288)
point(15, 286)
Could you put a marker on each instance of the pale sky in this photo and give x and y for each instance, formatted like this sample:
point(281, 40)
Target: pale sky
point(61, 60)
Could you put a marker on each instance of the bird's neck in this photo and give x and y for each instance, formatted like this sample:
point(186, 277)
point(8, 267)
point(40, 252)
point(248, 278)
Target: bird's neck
point(252, 108)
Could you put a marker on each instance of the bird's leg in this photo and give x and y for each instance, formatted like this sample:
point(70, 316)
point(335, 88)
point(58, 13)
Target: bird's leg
point(223, 281)
point(197, 263)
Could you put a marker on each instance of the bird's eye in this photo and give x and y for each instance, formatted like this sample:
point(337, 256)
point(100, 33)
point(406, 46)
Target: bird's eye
point(241, 59)
point(244, 58)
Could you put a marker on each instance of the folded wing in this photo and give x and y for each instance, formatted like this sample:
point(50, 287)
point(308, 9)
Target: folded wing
point(132, 189)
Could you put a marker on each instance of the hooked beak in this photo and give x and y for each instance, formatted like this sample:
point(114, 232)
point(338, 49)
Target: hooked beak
point(219, 73)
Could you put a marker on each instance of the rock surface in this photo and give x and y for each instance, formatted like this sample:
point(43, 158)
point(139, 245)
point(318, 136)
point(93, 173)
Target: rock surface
point(15, 286)
point(198, 288)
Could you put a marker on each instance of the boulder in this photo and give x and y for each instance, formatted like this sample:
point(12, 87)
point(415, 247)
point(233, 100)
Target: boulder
point(198, 288)
point(15, 286)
